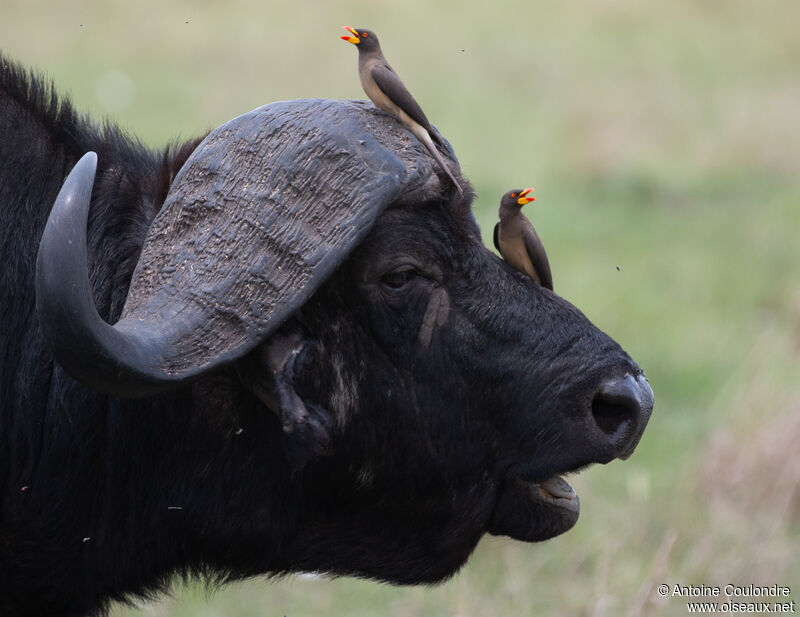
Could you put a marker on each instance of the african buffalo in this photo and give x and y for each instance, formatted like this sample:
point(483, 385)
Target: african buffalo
point(283, 348)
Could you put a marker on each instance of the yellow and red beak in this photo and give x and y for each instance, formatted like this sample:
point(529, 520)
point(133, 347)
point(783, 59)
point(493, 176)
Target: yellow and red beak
point(355, 39)
point(523, 197)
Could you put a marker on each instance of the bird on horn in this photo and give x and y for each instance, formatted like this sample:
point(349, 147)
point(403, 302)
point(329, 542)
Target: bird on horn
point(387, 91)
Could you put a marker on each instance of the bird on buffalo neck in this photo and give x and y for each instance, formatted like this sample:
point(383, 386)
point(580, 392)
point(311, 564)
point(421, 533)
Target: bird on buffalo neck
point(516, 239)
point(387, 91)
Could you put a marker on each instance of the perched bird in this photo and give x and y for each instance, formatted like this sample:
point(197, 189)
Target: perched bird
point(517, 240)
point(388, 92)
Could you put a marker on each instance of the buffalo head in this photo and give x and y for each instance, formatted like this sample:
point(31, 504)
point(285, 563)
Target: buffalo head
point(403, 390)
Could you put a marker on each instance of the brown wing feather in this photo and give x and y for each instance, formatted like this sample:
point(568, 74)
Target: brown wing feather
point(395, 89)
point(537, 254)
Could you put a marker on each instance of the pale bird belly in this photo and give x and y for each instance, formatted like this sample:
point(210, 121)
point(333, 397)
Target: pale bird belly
point(382, 101)
point(514, 253)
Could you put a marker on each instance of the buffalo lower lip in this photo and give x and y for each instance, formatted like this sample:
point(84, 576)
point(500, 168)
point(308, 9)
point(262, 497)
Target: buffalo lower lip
point(557, 491)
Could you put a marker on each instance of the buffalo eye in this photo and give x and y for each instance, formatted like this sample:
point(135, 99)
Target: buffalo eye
point(397, 279)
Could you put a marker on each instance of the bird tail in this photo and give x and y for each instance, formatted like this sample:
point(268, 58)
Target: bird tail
point(425, 137)
point(437, 139)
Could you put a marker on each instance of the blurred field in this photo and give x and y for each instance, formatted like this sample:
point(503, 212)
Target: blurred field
point(663, 140)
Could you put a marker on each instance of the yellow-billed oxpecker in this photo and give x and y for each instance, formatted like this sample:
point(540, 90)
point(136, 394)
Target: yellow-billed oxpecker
point(517, 240)
point(388, 92)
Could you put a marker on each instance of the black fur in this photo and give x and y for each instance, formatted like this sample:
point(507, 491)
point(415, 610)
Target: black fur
point(103, 498)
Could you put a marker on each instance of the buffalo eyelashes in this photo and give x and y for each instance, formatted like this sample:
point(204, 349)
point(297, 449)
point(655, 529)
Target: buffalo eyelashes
point(398, 278)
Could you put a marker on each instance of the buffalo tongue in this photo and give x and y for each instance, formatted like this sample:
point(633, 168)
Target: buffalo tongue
point(558, 488)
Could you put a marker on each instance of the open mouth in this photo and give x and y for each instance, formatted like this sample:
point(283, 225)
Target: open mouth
point(354, 39)
point(534, 511)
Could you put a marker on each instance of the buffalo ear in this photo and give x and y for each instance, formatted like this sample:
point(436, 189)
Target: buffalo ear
point(260, 215)
point(269, 372)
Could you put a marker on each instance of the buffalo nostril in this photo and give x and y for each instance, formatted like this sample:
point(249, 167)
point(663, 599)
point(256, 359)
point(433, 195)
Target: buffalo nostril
point(616, 406)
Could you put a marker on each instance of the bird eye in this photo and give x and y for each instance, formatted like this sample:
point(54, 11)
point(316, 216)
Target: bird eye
point(363, 35)
point(513, 194)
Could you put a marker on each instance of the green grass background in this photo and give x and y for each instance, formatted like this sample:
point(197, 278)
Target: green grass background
point(663, 140)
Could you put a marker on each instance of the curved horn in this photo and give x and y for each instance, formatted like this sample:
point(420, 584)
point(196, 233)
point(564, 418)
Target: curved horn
point(261, 214)
point(64, 302)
